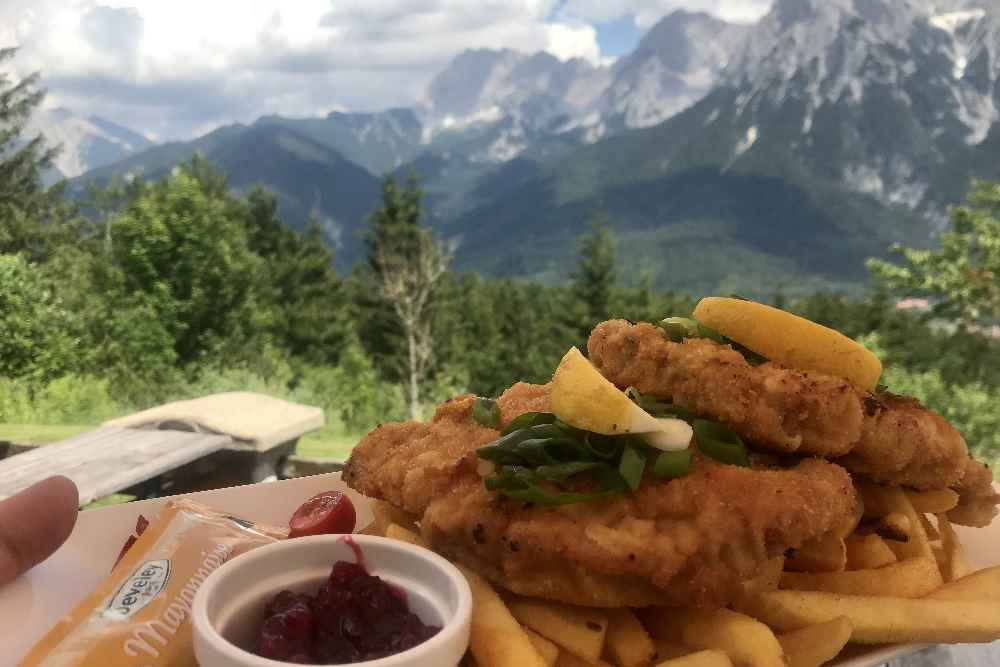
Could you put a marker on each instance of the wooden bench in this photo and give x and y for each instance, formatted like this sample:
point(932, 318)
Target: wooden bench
point(209, 442)
point(108, 459)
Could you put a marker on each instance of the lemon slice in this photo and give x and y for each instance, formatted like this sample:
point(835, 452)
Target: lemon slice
point(790, 340)
point(585, 399)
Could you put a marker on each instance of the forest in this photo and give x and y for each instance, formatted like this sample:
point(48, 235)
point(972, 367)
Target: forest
point(148, 291)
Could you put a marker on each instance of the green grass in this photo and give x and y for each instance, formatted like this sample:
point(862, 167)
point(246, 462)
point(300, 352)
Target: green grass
point(41, 434)
point(327, 443)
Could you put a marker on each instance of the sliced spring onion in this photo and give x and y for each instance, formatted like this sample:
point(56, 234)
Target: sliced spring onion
point(486, 412)
point(563, 471)
point(720, 443)
point(522, 484)
point(674, 434)
point(631, 466)
point(527, 420)
point(679, 328)
point(671, 465)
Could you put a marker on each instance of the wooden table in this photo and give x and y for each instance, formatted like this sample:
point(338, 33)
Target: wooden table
point(109, 459)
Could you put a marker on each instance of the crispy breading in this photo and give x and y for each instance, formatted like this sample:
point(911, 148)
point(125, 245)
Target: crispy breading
point(977, 498)
point(689, 540)
point(891, 439)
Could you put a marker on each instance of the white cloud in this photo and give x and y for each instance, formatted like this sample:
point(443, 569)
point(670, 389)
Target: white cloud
point(572, 41)
point(176, 68)
point(648, 12)
point(179, 67)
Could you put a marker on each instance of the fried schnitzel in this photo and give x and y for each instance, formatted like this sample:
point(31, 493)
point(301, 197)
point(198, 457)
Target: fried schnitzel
point(888, 438)
point(688, 540)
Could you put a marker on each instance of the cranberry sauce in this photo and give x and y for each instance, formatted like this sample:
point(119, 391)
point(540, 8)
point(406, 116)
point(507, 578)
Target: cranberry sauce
point(354, 616)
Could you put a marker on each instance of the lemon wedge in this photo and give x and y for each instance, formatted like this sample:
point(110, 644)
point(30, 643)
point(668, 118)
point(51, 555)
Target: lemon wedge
point(585, 399)
point(790, 340)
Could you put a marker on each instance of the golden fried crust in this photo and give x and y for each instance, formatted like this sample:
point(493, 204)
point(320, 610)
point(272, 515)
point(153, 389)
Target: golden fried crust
point(782, 409)
point(688, 540)
point(977, 497)
point(904, 443)
point(892, 439)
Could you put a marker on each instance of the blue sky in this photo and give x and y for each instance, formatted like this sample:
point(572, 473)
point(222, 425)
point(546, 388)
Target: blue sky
point(618, 36)
point(176, 69)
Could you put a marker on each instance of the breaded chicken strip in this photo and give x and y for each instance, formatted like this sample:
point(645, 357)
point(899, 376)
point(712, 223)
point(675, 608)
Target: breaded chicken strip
point(891, 439)
point(688, 540)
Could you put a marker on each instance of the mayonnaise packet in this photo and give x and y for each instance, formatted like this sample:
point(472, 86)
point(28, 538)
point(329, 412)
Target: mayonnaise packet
point(140, 615)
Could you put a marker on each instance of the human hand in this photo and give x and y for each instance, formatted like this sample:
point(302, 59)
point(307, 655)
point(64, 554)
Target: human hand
point(34, 523)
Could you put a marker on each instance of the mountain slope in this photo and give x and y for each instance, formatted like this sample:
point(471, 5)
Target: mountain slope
point(687, 216)
point(894, 99)
point(85, 143)
point(675, 64)
point(379, 142)
point(308, 177)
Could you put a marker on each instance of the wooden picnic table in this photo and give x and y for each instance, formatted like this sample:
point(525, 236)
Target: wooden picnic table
point(209, 442)
point(108, 460)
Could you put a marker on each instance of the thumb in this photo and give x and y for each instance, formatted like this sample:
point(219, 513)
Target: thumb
point(34, 523)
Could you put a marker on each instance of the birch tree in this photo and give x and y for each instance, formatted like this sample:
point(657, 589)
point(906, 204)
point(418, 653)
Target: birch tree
point(408, 264)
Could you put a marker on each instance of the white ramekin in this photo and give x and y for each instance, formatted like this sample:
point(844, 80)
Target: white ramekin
point(229, 605)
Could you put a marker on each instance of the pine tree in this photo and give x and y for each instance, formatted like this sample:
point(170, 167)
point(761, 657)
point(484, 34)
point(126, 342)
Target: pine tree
point(301, 287)
point(25, 205)
point(593, 282)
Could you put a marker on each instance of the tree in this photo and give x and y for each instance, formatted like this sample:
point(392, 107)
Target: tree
point(962, 276)
point(593, 281)
point(36, 340)
point(25, 205)
point(180, 255)
point(310, 320)
point(407, 264)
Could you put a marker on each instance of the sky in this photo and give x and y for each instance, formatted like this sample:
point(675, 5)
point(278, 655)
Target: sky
point(174, 69)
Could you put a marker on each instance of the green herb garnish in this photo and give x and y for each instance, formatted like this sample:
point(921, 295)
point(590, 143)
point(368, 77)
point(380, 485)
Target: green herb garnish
point(486, 412)
point(631, 466)
point(679, 328)
point(671, 465)
point(720, 443)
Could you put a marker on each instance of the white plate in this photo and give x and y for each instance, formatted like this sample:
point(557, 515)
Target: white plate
point(35, 601)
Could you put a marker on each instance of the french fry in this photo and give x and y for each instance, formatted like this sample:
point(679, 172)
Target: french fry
point(745, 640)
point(496, 639)
point(813, 645)
point(929, 529)
point(941, 557)
point(879, 620)
point(545, 648)
point(385, 513)
point(910, 578)
point(700, 659)
point(658, 622)
point(768, 578)
point(396, 532)
point(579, 630)
point(918, 544)
point(867, 552)
point(936, 501)
point(666, 649)
point(826, 554)
point(626, 641)
point(955, 565)
point(567, 659)
point(894, 526)
point(873, 499)
point(981, 585)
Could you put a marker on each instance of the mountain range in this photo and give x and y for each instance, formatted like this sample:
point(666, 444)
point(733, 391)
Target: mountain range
point(84, 143)
point(744, 158)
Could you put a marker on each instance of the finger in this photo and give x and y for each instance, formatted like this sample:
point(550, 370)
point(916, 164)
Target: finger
point(34, 523)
